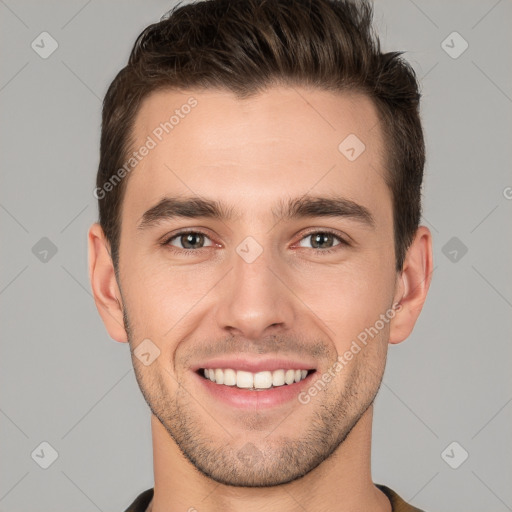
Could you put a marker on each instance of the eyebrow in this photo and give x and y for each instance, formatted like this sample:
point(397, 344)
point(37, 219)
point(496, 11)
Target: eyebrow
point(170, 208)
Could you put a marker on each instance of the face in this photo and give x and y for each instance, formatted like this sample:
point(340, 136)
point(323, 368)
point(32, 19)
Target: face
point(256, 249)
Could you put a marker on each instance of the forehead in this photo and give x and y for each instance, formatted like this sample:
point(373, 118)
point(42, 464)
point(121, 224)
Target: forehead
point(251, 152)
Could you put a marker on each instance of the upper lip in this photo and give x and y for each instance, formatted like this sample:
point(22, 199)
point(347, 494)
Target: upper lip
point(255, 365)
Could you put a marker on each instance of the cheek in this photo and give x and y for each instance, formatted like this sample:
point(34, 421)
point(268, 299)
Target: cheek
point(349, 298)
point(159, 294)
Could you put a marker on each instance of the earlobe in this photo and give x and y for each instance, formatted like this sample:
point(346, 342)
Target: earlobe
point(413, 287)
point(104, 284)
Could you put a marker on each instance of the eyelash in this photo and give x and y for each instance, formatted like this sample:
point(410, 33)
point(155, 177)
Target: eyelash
point(189, 252)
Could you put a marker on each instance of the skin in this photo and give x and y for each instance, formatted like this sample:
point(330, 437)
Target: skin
point(290, 301)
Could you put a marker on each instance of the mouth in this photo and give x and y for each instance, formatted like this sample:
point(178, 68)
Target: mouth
point(254, 385)
point(259, 381)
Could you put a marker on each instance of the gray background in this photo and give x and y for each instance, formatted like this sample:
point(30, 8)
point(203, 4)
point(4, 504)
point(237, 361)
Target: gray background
point(65, 382)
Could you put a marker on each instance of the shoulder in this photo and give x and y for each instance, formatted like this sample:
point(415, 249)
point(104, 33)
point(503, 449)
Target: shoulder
point(141, 502)
point(397, 503)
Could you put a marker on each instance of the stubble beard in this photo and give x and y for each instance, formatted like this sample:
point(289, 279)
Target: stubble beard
point(266, 460)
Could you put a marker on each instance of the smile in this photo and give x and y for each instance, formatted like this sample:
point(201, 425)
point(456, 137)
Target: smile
point(254, 381)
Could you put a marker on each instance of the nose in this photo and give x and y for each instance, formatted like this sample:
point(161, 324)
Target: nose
point(254, 299)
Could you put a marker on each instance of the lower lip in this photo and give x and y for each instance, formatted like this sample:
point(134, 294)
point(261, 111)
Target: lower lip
point(250, 399)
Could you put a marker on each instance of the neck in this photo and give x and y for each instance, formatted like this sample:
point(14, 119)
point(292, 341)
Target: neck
point(342, 482)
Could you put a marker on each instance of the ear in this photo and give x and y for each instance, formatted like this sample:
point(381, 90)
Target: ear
point(107, 295)
point(412, 287)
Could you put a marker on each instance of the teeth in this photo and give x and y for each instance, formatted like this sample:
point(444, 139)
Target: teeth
point(247, 380)
point(278, 378)
point(244, 379)
point(229, 377)
point(219, 376)
point(263, 380)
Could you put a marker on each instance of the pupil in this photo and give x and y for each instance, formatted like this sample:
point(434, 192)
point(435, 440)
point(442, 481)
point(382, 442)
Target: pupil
point(189, 239)
point(317, 239)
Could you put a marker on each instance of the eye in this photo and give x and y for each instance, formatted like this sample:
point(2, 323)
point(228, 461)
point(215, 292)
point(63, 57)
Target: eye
point(188, 240)
point(323, 241)
point(192, 241)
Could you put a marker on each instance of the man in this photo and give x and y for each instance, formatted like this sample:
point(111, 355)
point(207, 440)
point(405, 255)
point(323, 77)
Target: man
point(259, 247)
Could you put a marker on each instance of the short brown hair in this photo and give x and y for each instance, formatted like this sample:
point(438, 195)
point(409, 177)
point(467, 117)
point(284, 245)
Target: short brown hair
point(245, 46)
